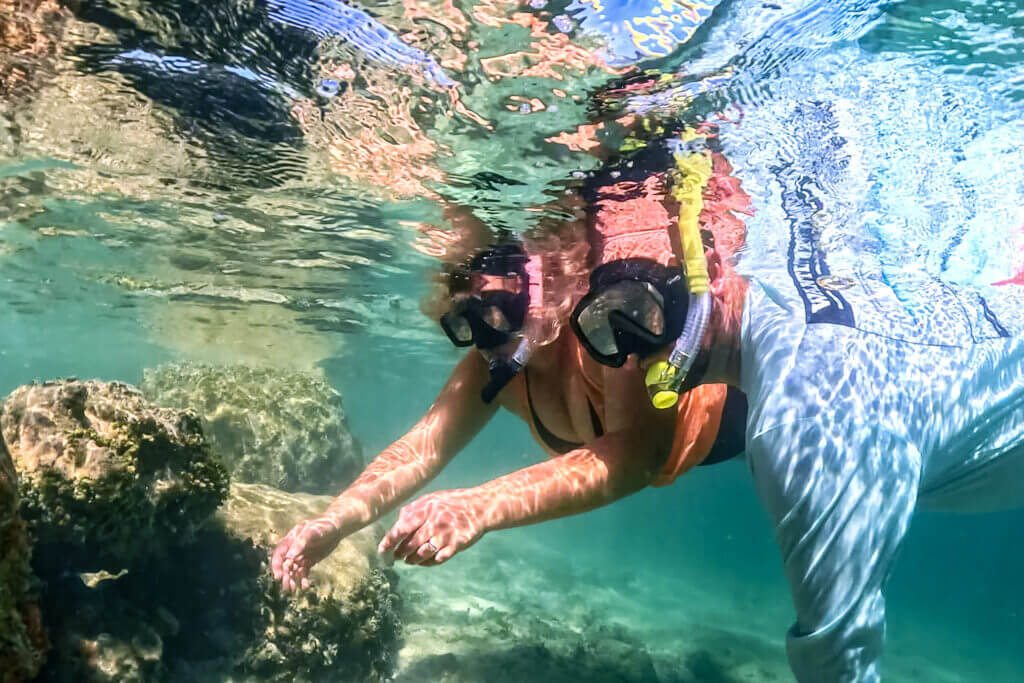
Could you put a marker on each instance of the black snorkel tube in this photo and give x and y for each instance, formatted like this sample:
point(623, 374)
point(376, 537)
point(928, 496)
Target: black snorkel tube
point(504, 371)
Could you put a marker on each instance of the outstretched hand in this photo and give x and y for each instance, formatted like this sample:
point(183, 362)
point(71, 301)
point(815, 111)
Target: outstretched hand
point(306, 544)
point(431, 529)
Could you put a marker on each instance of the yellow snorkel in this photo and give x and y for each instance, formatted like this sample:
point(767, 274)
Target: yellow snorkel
point(692, 172)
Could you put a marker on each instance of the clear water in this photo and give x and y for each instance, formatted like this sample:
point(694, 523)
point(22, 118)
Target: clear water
point(173, 185)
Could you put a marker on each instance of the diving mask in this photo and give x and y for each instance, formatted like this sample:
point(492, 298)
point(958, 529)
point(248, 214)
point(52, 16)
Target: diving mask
point(635, 305)
point(617, 318)
point(494, 296)
point(486, 317)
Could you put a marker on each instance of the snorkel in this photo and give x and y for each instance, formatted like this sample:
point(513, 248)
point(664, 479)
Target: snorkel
point(693, 170)
point(504, 370)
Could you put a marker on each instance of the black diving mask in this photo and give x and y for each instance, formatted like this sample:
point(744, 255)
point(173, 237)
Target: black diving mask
point(489, 319)
point(634, 305)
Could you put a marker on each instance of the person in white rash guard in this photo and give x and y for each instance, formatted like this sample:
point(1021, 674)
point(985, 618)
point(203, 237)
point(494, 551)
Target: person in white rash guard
point(871, 392)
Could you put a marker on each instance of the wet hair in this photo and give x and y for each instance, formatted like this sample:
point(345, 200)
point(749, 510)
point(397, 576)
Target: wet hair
point(558, 255)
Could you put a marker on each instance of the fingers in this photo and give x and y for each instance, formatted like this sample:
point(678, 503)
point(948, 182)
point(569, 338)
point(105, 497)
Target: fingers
point(444, 554)
point(277, 559)
point(285, 551)
point(288, 564)
point(408, 542)
point(424, 553)
point(409, 521)
point(409, 545)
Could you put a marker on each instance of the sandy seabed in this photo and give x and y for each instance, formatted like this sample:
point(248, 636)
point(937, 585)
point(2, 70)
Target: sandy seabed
point(511, 609)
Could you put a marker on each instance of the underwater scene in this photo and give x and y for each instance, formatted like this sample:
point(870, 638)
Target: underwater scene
point(640, 341)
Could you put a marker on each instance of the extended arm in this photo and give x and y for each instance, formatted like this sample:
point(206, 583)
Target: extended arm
point(398, 472)
point(413, 460)
point(435, 527)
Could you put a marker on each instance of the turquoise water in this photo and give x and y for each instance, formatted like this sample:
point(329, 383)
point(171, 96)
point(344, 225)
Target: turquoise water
point(173, 186)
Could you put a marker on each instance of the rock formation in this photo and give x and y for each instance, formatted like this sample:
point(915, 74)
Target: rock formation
point(283, 428)
point(212, 612)
point(23, 642)
point(105, 475)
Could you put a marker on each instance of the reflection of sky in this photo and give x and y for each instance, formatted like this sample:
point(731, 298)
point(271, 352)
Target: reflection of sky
point(191, 66)
point(641, 29)
point(326, 18)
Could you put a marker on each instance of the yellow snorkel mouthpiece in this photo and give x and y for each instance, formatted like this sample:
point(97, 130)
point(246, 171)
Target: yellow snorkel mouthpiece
point(692, 172)
point(661, 388)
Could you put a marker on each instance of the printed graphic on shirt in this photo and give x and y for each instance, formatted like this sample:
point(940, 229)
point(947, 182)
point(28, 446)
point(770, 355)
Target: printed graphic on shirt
point(896, 303)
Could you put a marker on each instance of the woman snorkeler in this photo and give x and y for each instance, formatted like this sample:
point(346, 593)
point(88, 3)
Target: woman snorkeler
point(605, 438)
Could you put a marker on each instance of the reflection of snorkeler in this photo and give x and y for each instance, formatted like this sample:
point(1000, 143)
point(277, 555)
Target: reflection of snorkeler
point(606, 439)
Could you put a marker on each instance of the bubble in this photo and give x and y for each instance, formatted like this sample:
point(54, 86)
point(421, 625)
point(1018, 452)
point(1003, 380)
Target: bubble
point(328, 88)
point(562, 23)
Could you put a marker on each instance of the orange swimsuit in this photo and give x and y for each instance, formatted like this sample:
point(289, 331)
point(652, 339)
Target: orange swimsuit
point(632, 215)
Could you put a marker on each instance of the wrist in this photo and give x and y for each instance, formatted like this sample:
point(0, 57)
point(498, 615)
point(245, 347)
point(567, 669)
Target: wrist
point(484, 506)
point(348, 514)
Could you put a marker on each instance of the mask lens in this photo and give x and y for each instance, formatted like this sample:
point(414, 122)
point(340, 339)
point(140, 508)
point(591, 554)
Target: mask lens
point(638, 301)
point(457, 328)
point(495, 318)
point(461, 329)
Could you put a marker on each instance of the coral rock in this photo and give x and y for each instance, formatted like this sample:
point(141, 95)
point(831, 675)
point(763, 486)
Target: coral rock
point(105, 476)
point(345, 626)
point(212, 612)
point(22, 639)
point(283, 428)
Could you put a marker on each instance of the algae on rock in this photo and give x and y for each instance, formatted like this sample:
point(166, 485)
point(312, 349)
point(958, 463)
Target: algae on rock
point(212, 611)
point(22, 639)
point(283, 428)
point(345, 626)
point(105, 476)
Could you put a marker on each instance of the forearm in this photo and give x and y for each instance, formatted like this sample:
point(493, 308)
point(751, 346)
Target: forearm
point(393, 477)
point(577, 482)
point(412, 461)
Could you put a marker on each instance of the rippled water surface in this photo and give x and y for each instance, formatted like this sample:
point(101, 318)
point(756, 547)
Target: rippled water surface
point(270, 181)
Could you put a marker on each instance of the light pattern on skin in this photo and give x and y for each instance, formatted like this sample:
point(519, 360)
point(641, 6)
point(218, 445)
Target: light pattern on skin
point(435, 527)
point(391, 476)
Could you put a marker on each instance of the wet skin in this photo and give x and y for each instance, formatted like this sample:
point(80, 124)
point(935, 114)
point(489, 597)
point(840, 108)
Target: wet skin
point(432, 529)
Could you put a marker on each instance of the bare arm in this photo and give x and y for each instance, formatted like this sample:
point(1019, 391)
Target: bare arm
point(402, 469)
point(409, 463)
point(612, 467)
point(435, 527)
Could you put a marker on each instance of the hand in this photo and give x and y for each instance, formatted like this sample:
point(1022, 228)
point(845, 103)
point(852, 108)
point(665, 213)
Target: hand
point(306, 544)
point(433, 528)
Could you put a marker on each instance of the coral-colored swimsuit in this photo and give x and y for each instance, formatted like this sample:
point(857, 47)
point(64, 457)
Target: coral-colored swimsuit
point(632, 216)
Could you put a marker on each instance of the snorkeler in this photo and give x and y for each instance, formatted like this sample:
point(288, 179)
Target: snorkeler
point(605, 439)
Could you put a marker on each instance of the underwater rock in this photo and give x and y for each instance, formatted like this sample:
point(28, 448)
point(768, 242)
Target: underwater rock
point(345, 626)
point(283, 428)
point(23, 642)
point(212, 611)
point(106, 478)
